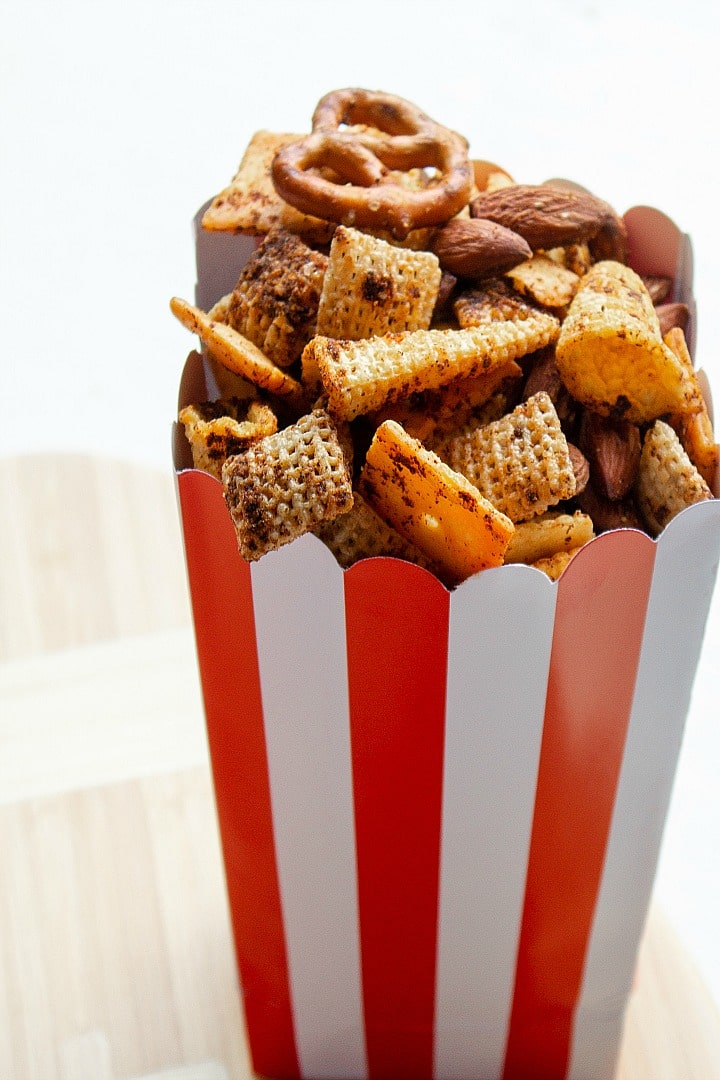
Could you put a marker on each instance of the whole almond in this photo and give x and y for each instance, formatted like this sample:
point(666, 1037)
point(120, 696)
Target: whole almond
point(613, 449)
point(549, 217)
point(580, 466)
point(671, 316)
point(622, 514)
point(474, 248)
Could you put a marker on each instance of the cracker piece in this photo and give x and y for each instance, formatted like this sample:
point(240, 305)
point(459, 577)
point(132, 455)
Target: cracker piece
point(287, 484)
point(361, 534)
point(217, 430)
point(238, 354)
point(696, 429)
point(220, 310)
point(544, 281)
point(611, 354)
point(275, 301)
point(668, 481)
point(547, 535)
point(431, 506)
point(492, 301)
point(521, 462)
point(362, 376)
point(372, 287)
point(250, 203)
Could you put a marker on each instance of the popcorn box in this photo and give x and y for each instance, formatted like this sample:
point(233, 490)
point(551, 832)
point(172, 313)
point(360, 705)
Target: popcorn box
point(441, 812)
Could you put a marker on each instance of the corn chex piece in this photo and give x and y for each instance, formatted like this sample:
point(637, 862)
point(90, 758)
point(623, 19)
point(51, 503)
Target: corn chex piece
point(611, 355)
point(217, 430)
point(362, 376)
point(667, 479)
point(373, 288)
point(433, 507)
point(238, 354)
point(287, 484)
point(251, 205)
point(492, 301)
point(695, 429)
point(545, 536)
point(545, 281)
point(275, 301)
point(521, 462)
point(361, 534)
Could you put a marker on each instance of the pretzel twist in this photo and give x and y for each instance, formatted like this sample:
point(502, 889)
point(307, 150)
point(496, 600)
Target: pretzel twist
point(363, 191)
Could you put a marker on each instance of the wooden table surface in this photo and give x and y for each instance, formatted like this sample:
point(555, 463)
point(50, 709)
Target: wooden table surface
point(115, 953)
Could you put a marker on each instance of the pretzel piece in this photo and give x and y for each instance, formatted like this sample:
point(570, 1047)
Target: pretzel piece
point(365, 194)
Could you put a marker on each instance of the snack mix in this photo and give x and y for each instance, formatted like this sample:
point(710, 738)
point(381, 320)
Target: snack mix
point(425, 359)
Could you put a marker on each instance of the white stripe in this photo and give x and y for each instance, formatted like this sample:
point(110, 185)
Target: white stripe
point(681, 590)
point(300, 624)
point(501, 625)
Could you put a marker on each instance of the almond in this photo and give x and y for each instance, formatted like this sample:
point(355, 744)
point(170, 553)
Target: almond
point(613, 449)
point(605, 514)
point(548, 217)
point(580, 466)
point(473, 248)
point(672, 316)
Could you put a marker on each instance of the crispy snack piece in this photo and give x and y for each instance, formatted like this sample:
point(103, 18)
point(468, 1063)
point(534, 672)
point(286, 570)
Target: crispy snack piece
point(492, 301)
point(361, 534)
point(275, 301)
point(548, 535)
point(373, 288)
point(428, 415)
point(667, 479)
point(545, 281)
point(553, 565)
point(217, 430)
point(695, 430)
point(521, 462)
point(431, 506)
point(362, 376)
point(611, 355)
point(238, 354)
point(251, 205)
point(287, 484)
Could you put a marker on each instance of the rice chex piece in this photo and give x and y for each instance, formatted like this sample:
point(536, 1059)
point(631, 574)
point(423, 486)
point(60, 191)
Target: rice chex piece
point(521, 462)
point(287, 484)
point(275, 301)
point(372, 287)
point(545, 281)
point(667, 481)
point(362, 376)
point(611, 354)
point(492, 301)
point(362, 534)
point(217, 430)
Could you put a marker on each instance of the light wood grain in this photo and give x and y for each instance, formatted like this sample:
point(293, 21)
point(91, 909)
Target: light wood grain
point(116, 960)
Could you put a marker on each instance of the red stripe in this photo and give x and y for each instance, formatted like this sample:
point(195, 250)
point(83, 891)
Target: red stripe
point(397, 631)
point(599, 622)
point(221, 593)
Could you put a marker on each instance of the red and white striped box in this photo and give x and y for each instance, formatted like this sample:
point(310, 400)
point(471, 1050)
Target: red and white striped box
point(440, 811)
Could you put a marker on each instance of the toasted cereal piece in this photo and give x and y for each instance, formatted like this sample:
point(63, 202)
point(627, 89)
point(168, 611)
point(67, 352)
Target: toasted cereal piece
point(545, 536)
point(554, 565)
point(492, 301)
point(544, 281)
point(221, 309)
point(372, 287)
point(433, 507)
point(275, 301)
point(250, 203)
point(611, 355)
point(575, 257)
point(217, 430)
point(361, 534)
point(430, 414)
point(238, 354)
point(521, 462)
point(668, 481)
point(695, 430)
point(287, 484)
point(362, 376)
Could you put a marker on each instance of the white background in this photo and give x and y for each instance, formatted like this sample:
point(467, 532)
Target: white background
point(119, 120)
